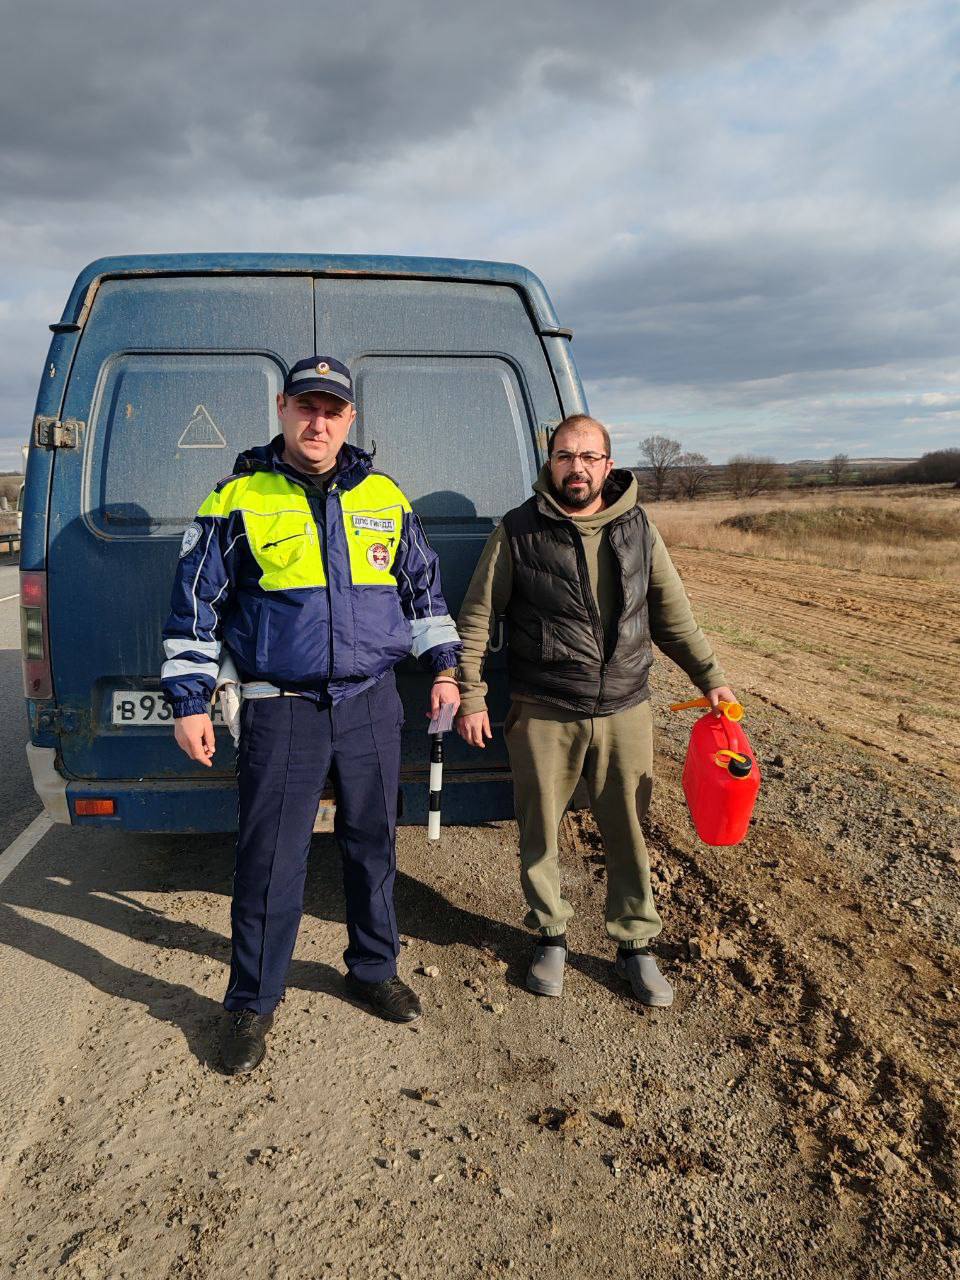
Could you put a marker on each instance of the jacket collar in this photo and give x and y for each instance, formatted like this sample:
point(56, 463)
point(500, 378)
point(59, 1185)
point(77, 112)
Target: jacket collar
point(618, 482)
point(353, 463)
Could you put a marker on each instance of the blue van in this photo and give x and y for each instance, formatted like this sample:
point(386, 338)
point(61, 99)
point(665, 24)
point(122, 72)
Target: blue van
point(161, 371)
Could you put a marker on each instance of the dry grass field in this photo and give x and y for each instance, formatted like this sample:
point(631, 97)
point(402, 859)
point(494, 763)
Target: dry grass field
point(860, 634)
point(908, 532)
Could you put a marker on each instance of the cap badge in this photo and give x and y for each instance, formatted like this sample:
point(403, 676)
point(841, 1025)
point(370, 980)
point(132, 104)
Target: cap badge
point(323, 367)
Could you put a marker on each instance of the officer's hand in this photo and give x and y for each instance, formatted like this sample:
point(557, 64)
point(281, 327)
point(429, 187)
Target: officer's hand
point(474, 728)
point(194, 735)
point(723, 694)
point(444, 693)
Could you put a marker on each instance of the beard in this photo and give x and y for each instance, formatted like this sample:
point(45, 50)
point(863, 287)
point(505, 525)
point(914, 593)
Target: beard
point(579, 497)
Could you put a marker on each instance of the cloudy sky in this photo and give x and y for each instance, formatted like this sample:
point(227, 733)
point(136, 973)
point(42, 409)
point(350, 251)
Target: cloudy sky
point(747, 210)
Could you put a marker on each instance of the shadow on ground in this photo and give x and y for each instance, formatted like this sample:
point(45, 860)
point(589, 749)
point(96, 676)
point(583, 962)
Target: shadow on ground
point(98, 877)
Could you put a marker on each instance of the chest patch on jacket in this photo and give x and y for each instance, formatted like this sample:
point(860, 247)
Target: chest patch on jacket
point(373, 522)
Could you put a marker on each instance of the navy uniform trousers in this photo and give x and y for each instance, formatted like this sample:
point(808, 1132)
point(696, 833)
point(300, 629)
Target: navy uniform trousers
point(288, 746)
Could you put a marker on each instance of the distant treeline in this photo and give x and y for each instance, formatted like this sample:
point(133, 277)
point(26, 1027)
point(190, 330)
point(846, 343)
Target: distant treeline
point(666, 470)
point(940, 467)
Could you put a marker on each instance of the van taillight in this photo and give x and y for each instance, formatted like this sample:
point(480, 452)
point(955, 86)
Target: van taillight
point(34, 636)
point(95, 808)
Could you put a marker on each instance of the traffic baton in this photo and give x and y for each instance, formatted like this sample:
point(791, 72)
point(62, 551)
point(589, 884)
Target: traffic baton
point(439, 725)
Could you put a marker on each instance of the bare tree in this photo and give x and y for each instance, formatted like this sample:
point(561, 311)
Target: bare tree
point(692, 472)
point(749, 474)
point(658, 454)
point(837, 468)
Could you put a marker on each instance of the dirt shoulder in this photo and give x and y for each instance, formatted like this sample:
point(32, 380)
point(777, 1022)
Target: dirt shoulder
point(795, 1113)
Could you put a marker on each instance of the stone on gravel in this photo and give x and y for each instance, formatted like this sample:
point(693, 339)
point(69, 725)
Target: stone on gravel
point(619, 1118)
point(559, 1119)
point(891, 1164)
point(846, 1088)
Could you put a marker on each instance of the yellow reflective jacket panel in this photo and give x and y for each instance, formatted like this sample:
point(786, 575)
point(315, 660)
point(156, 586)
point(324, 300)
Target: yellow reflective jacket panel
point(307, 591)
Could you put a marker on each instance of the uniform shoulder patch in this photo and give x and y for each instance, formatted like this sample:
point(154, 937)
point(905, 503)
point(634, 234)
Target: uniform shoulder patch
point(191, 536)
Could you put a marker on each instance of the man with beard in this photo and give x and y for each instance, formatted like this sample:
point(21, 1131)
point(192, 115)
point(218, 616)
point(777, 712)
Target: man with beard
point(585, 583)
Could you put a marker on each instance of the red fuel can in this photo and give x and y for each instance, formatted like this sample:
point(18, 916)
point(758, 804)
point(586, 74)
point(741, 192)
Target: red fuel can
point(720, 780)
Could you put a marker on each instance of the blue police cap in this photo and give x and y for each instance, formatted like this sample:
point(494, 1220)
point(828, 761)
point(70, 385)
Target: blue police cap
point(319, 373)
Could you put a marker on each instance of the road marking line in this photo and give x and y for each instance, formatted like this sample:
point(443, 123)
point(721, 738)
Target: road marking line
point(4, 599)
point(15, 853)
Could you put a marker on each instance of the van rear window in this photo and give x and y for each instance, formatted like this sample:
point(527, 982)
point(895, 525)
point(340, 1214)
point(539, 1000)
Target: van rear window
point(453, 431)
point(165, 428)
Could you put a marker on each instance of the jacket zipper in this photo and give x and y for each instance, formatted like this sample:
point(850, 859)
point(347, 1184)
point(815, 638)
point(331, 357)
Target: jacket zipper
point(592, 610)
point(318, 509)
point(266, 545)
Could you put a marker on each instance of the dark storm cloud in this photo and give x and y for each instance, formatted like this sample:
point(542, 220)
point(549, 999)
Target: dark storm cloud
point(102, 100)
point(763, 309)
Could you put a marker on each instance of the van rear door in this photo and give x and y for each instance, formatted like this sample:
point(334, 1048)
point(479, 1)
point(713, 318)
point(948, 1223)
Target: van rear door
point(173, 376)
point(453, 388)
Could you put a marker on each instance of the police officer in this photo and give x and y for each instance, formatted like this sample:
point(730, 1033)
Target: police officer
point(310, 570)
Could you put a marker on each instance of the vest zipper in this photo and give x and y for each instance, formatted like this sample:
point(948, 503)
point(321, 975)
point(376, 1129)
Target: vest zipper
point(593, 611)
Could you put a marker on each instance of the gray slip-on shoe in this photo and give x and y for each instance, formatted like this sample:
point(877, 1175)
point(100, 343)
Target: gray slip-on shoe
point(647, 983)
point(545, 975)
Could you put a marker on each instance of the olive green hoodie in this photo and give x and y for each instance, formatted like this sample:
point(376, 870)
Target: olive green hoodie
point(673, 627)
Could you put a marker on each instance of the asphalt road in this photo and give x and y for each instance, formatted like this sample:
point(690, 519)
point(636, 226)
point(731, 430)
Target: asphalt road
point(61, 926)
point(18, 802)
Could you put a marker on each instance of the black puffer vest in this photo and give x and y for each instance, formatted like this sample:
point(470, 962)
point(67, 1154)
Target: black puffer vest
point(556, 650)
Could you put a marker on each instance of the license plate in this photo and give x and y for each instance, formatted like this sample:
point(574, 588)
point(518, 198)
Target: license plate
point(141, 706)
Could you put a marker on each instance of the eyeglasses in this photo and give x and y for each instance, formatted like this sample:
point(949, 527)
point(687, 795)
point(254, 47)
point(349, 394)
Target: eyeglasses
point(591, 459)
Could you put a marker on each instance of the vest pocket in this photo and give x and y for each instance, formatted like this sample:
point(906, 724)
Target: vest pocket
point(546, 640)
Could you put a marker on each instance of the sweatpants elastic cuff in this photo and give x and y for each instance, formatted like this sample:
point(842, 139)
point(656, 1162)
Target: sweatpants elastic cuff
point(628, 947)
point(553, 931)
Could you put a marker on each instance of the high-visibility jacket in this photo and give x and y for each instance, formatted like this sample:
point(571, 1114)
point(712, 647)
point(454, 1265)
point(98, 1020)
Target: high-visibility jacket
point(317, 593)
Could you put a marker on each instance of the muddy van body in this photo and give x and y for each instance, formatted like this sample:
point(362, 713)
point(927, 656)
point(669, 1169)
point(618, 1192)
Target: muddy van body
point(160, 372)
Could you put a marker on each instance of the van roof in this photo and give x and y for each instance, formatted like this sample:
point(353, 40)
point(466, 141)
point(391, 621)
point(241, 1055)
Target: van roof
point(316, 264)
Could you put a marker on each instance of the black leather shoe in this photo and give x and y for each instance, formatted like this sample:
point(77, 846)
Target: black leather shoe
point(244, 1042)
point(392, 999)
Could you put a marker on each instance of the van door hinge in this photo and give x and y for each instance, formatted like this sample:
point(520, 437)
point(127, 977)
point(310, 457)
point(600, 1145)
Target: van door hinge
point(51, 433)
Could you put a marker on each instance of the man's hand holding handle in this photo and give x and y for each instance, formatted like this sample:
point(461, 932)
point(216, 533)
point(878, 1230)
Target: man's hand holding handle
point(444, 692)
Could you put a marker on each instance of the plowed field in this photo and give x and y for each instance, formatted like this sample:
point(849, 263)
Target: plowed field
point(872, 659)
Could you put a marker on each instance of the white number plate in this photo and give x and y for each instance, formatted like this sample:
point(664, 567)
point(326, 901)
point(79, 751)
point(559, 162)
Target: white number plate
point(143, 706)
